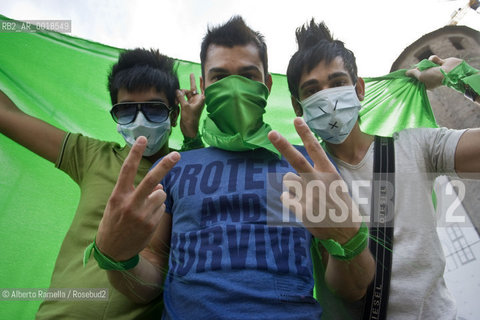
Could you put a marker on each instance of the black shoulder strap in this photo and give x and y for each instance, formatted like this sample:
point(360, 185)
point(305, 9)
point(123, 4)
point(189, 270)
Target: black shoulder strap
point(381, 227)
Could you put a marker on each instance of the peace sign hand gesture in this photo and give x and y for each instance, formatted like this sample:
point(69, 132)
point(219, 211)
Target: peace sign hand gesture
point(313, 193)
point(133, 214)
point(190, 109)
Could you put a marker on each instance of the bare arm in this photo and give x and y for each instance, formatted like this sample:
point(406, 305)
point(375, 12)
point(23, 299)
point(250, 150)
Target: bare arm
point(144, 282)
point(467, 154)
point(433, 77)
point(134, 221)
point(32, 133)
point(348, 279)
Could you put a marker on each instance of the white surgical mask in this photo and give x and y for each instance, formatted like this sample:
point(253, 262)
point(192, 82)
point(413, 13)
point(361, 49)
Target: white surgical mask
point(332, 113)
point(156, 133)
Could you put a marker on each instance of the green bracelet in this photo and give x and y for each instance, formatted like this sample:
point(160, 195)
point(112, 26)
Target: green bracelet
point(105, 262)
point(351, 249)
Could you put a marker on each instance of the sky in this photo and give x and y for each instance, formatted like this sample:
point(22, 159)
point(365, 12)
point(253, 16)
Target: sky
point(377, 31)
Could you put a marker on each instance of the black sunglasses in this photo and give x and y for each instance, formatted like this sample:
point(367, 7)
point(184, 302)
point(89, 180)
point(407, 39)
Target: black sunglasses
point(126, 112)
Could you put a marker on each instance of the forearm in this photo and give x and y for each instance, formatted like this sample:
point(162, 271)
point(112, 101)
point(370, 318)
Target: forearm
point(451, 72)
point(32, 133)
point(350, 279)
point(141, 284)
point(189, 126)
point(9, 112)
point(351, 268)
point(6, 104)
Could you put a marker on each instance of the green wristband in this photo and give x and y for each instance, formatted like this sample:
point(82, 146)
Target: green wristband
point(192, 143)
point(351, 249)
point(105, 262)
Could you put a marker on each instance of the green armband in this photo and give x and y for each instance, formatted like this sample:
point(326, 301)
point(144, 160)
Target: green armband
point(105, 262)
point(192, 143)
point(462, 76)
point(351, 249)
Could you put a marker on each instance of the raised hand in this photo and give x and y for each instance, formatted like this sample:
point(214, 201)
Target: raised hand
point(190, 109)
point(317, 195)
point(433, 77)
point(133, 214)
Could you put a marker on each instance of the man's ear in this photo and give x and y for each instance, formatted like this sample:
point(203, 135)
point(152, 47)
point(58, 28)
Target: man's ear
point(174, 115)
point(360, 89)
point(296, 107)
point(269, 82)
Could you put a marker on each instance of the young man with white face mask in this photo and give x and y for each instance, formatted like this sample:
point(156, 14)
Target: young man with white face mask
point(144, 91)
point(228, 256)
point(326, 91)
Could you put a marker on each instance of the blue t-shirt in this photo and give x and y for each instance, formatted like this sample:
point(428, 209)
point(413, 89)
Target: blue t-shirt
point(230, 255)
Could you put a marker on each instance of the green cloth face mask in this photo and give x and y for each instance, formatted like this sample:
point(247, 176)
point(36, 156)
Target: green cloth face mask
point(235, 108)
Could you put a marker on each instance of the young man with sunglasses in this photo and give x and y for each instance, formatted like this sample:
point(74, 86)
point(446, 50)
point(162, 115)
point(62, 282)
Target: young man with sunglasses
point(326, 91)
point(229, 253)
point(145, 93)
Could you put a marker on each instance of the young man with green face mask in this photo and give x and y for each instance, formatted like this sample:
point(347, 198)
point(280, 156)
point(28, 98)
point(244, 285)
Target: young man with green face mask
point(230, 253)
point(326, 91)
